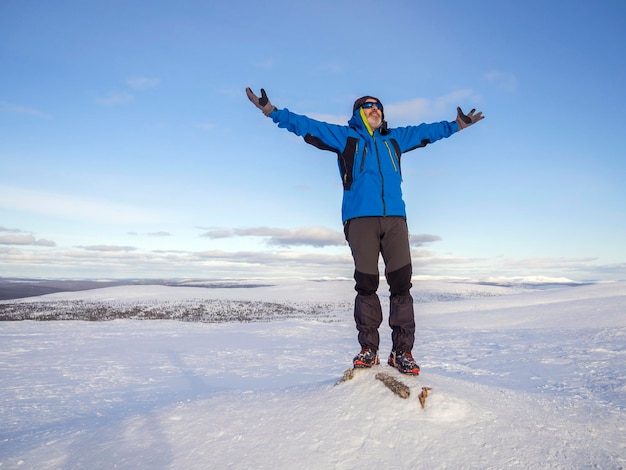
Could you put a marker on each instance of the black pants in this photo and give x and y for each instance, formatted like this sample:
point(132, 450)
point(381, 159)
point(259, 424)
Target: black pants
point(370, 237)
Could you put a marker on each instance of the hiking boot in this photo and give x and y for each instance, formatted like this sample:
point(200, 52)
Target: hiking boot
point(404, 362)
point(366, 358)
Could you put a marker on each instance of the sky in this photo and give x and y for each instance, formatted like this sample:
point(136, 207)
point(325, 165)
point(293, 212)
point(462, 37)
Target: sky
point(128, 147)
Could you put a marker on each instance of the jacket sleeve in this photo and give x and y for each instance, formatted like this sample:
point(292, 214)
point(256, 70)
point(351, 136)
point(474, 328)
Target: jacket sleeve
point(412, 137)
point(321, 134)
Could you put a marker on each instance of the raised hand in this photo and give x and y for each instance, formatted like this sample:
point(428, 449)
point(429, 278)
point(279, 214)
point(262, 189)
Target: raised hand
point(263, 103)
point(466, 120)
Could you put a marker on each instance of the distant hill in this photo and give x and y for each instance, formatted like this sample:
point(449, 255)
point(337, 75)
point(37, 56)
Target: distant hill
point(19, 288)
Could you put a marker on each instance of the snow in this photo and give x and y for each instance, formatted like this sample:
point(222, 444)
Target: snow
point(521, 378)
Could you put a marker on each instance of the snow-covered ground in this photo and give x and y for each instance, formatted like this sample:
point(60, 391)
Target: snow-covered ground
point(520, 378)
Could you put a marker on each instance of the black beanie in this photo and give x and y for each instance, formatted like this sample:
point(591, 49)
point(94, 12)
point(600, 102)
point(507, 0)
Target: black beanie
point(358, 103)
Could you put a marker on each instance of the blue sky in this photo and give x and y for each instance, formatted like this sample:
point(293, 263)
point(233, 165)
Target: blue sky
point(128, 147)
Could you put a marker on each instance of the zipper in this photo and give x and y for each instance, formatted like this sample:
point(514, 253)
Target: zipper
point(391, 156)
point(382, 179)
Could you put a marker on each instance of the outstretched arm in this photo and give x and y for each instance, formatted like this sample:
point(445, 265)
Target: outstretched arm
point(320, 134)
point(412, 137)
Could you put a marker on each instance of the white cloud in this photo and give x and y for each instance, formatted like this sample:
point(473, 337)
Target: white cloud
point(24, 240)
point(159, 234)
point(23, 110)
point(341, 119)
point(128, 261)
point(115, 261)
point(110, 248)
point(143, 83)
point(503, 81)
point(218, 233)
point(205, 126)
point(333, 68)
point(419, 109)
point(312, 236)
point(115, 98)
point(280, 261)
point(17, 236)
point(422, 239)
point(10, 230)
point(266, 64)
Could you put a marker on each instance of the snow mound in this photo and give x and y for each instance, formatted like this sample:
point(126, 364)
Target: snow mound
point(512, 386)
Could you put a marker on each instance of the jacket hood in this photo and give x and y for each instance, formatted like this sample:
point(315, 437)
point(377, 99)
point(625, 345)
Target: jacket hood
point(358, 103)
point(358, 120)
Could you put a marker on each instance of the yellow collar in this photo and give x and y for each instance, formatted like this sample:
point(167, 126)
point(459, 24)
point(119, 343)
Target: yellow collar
point(367, 124)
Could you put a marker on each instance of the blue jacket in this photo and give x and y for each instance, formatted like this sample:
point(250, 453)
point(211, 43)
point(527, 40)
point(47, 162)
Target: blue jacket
point(369, 161)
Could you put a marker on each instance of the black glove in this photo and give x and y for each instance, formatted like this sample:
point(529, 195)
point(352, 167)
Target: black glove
point(466, 120)
point(263, 103)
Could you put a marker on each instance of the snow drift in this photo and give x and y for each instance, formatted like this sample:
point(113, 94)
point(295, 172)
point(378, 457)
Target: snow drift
point(520, 378)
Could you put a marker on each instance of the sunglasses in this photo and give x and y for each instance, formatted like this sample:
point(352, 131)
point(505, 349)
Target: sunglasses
point(369, 105)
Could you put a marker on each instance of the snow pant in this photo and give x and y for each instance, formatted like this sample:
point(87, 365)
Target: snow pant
point(368, 238)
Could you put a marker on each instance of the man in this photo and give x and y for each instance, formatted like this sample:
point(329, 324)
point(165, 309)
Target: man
point(373, 211)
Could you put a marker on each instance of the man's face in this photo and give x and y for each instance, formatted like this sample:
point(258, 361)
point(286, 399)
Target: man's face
point(374, 115)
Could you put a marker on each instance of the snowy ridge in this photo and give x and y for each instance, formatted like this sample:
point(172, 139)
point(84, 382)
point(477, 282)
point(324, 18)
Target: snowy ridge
point(529, 379)
point(288, 299)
